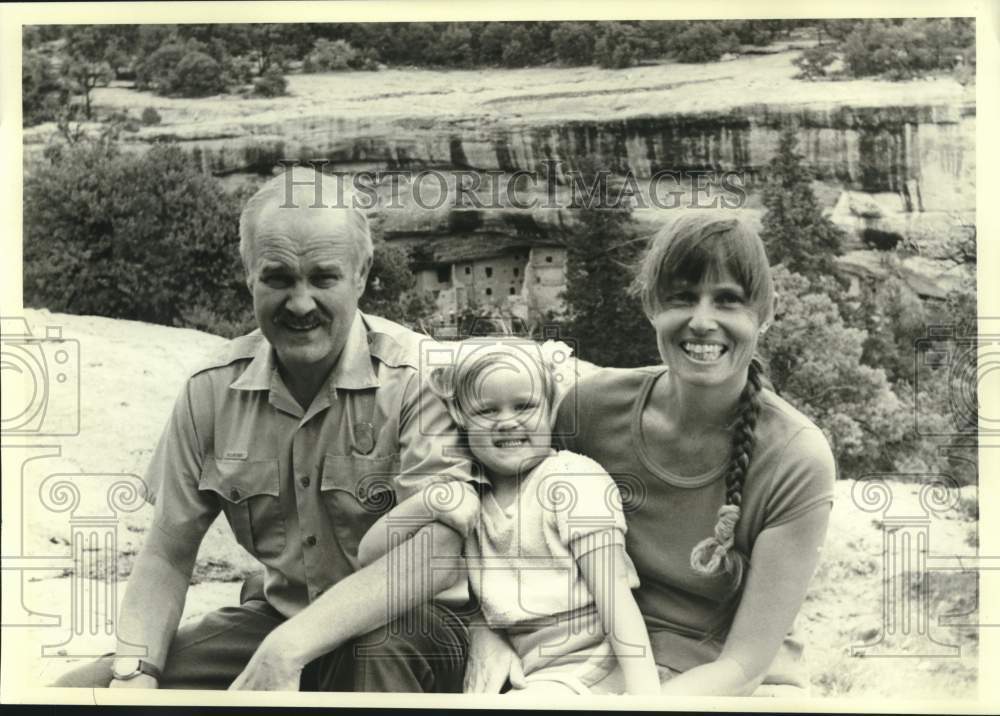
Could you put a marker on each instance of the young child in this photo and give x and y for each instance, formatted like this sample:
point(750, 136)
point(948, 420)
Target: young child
point(546, 556)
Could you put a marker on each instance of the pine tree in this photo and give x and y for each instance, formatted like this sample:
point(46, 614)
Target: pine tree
point(606, 319)
point(794, 229)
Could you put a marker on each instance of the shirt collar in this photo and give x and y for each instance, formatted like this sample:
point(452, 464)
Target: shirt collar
point(353, 370)
point(257, 375)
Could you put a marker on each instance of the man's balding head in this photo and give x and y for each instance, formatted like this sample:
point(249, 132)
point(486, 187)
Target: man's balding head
point(303, 191)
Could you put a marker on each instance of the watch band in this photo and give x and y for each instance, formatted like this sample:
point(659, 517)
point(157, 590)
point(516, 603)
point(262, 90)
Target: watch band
point(142, 667)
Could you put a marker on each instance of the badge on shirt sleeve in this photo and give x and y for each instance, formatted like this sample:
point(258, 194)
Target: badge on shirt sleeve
point(364, 438)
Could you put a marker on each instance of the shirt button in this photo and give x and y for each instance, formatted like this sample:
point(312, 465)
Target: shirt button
point(304, 481)
point(234, 494)
point(311, 540)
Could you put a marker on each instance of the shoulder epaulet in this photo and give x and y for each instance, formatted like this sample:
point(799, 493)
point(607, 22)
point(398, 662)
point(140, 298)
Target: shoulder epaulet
point(242, 348)
point(393, 344)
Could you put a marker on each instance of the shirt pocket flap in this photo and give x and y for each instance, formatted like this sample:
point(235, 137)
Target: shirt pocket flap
point(239, 480)
point(362, 476)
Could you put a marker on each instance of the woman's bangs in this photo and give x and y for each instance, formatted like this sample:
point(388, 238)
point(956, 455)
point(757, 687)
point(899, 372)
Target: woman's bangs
point(709, 258)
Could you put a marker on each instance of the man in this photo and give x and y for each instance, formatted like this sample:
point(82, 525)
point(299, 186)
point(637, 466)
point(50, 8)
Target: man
point(303, 434)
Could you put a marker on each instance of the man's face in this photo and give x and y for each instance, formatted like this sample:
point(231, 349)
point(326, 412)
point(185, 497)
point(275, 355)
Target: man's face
point(306, 278)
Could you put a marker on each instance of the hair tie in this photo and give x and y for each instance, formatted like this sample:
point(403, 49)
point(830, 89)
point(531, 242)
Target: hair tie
point(707, 555)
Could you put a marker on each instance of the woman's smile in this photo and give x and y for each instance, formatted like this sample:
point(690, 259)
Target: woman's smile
point(702, 352)
point(707, 332)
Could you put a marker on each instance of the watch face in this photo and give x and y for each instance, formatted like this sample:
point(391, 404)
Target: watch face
point(125, 667)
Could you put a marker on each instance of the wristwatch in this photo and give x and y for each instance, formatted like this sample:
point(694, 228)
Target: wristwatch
point(124, 668)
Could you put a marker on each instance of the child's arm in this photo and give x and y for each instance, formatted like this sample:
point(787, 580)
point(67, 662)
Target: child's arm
point(406, 518)
point(605, 572)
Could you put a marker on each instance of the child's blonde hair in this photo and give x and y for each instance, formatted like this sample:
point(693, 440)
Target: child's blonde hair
point(458, 384)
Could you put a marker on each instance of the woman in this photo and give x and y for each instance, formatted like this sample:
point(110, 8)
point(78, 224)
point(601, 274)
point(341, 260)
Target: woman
point(728, 487)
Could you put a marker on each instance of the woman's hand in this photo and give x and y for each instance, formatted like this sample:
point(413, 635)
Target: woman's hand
point(781, 566)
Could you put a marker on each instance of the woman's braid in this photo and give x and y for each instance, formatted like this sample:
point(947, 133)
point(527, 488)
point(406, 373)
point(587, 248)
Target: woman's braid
point(715, 554)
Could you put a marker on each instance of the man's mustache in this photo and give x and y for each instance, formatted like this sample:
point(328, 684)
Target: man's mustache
point(311, 317)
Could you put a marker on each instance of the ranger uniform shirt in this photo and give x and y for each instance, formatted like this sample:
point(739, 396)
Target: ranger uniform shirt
point(301, 487)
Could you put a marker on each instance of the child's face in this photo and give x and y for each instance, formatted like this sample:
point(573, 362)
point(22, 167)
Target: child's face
point(508, 420)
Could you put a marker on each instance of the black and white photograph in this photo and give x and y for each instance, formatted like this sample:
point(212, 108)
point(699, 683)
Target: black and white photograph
point(500, 356)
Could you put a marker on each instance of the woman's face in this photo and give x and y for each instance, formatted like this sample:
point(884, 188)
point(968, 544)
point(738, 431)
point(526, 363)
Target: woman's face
point(707, 332)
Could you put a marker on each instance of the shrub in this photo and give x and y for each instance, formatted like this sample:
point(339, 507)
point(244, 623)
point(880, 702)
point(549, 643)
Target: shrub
point(814, 360)
point(814, 62)
point(620, 46)
point(42, 95)
point(156, 71)
point(703, 42)
point(838, 30)
point(121, 120)
point(237, 71)
point(183, 69)
point(271, 84)
point(516, 54)
point(759, 32)
point(327, 56)
point(492, 41)
point(197, 75)
point(452, 47)
point(573, 43)
point(390, 288)
point(901, 50)
point(144, 237)
point(150, 116)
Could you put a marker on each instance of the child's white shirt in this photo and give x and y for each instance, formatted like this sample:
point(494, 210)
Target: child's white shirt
point(523, 560)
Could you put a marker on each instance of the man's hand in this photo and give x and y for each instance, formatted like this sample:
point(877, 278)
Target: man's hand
point(269, 669)
point(142, 681)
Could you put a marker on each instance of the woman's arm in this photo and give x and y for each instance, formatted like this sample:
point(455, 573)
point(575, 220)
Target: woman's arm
point(605, 572)
point(781, 565)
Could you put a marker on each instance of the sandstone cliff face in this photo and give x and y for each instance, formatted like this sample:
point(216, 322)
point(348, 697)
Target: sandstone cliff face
point(896, 179)
point(894, 163)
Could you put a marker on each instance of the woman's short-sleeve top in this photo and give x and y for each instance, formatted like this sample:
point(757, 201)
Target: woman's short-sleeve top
point(791, 472)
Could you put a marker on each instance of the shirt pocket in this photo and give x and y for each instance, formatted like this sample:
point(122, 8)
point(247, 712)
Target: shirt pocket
point(249, 492)
point(356, 491)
